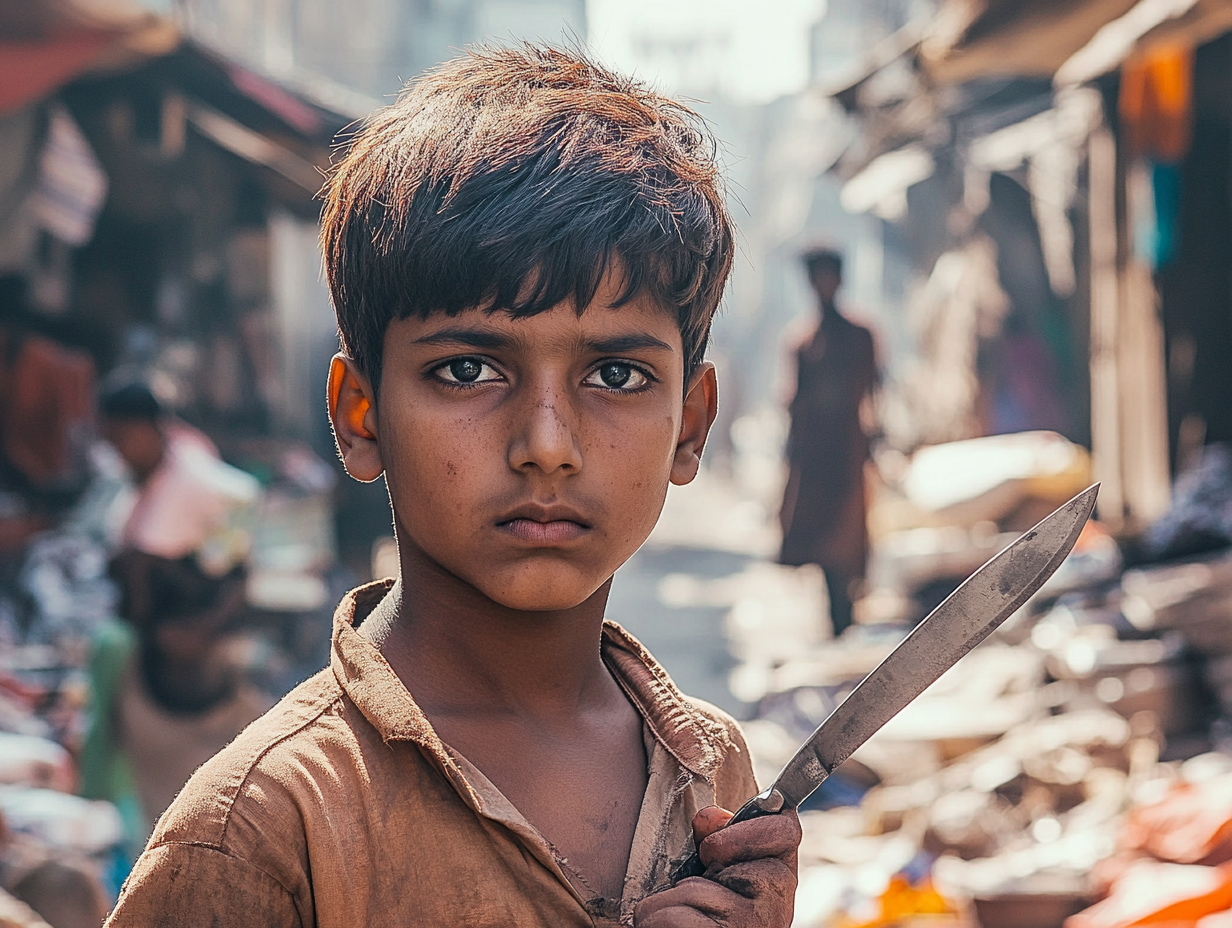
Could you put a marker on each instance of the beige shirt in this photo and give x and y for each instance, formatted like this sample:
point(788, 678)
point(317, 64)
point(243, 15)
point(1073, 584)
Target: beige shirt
point(341, 807)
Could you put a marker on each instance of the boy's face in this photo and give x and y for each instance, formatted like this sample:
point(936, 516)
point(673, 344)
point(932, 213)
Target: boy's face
point(528, 458)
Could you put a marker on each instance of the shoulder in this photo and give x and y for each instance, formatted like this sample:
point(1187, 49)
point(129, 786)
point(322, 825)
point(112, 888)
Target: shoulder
point(862, 335)
point(859, 340)
point(285, 736)
point(231, 849)
point(195, 466)
point(851, 321)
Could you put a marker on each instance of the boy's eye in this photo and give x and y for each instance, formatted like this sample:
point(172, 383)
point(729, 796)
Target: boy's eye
point(466, 371)
point(618, 375)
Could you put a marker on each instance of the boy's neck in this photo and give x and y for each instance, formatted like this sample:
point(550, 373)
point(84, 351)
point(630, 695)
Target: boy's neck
point(461, 653)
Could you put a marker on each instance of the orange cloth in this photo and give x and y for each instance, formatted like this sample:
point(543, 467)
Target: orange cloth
point(901, 903)
point(1156, 103)
point(1150, 893)
point(46, 410)
point(1191, 825)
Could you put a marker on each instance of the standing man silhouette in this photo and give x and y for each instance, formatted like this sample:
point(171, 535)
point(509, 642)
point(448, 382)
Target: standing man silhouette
point(824, 513)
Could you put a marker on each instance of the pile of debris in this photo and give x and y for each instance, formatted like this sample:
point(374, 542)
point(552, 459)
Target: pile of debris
point(1076, 770)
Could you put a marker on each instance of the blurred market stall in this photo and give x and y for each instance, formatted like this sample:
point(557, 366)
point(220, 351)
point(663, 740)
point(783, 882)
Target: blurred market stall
point(157, 220)
point(1059, 176)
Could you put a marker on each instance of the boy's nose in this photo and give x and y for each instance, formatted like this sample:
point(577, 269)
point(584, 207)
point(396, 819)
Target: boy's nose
point(546, 440)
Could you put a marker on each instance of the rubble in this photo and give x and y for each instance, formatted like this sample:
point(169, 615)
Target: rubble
point(1070, 773)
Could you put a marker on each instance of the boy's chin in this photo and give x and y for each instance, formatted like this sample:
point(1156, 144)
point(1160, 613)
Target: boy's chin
point(538, 602)
point(544, 594)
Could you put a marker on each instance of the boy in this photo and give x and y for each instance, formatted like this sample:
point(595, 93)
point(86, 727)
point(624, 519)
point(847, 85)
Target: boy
point(524, 254)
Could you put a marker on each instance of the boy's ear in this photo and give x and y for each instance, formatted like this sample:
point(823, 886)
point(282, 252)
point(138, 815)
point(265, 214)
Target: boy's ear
point(352, 411)
point(701, 405)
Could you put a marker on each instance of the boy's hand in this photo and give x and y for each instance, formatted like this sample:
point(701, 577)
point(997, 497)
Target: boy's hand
point(750, 879)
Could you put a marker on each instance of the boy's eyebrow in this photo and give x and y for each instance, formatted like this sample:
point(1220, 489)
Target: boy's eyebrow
point(619, 344)
point(461, 335)
point(489, 340)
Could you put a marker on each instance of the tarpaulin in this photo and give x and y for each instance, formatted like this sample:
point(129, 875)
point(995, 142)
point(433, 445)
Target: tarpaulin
point(30, 71)
point(44, 46)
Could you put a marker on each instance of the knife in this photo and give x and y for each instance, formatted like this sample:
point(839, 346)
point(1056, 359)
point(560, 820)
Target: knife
point(967, 616)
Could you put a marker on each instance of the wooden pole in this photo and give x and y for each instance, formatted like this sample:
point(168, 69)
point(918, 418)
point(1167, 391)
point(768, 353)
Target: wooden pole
point(1143, 381)
point(1105, 379)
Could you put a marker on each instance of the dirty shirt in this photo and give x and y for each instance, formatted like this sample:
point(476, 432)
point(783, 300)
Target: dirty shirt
point(342, 807)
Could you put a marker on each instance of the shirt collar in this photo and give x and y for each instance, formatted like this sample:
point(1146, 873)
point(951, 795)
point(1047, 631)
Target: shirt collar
point(696, 741)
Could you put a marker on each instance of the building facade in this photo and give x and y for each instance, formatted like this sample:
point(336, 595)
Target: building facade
point(368, 46)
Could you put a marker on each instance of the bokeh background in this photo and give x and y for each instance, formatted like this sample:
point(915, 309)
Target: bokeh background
point(1033, 203)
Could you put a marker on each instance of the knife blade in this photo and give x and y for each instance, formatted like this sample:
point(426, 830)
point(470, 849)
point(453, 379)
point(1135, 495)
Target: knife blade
point(967, 616)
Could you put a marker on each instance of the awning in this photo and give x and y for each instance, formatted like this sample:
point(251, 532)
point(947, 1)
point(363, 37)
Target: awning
point(1010, 38)
point(44, 46)
point(1079, 38)
point(881, 187)
point(1083, 39)
point(254, 147)
point(1150, 24)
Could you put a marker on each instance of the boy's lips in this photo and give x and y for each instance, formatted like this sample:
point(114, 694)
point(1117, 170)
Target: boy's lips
point(544, 524)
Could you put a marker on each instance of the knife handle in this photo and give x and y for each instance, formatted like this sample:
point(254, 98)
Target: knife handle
point(769, 802)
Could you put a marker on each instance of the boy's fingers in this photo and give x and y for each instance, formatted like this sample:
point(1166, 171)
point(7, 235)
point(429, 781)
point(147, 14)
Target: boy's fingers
point(768, 836)
point(679, 918)
point(751, 870)
point(708, 821)
point(760, 880)
point(702, 903)
point(693, 901)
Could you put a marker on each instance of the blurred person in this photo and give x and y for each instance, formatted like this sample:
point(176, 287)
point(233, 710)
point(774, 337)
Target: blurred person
point(823, 517)
point(166, 691)
point(186, 495)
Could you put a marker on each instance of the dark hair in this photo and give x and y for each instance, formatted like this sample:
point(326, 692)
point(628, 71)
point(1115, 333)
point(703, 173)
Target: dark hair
point(512, 179)
point(129, 399)
point(822, 258)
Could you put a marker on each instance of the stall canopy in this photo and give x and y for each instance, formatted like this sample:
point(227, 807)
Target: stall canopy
point(45, 45)
point(1077, 40)
point(982, 65)
point(93, 48)
point(285, 134)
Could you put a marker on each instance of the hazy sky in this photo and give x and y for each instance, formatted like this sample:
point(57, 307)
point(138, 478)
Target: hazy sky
point(747, 50)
